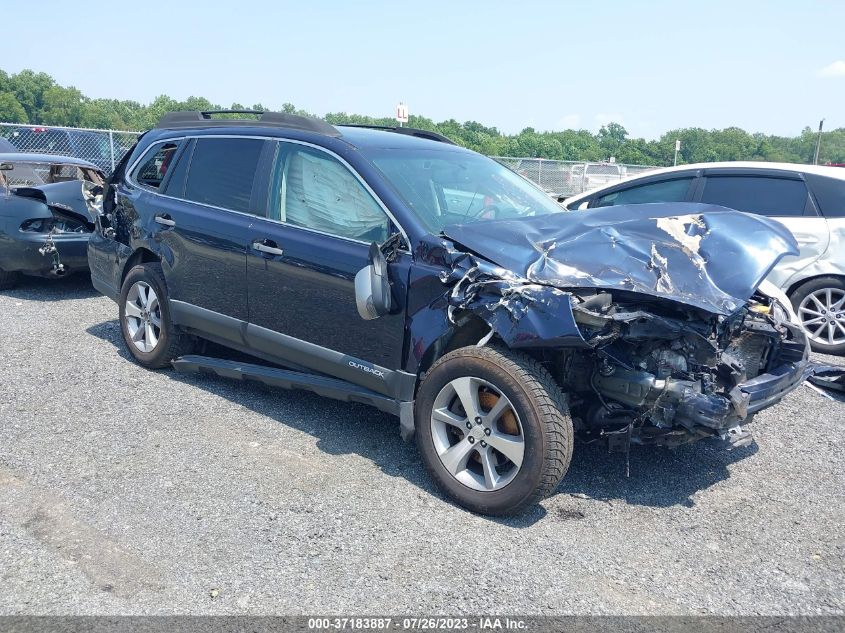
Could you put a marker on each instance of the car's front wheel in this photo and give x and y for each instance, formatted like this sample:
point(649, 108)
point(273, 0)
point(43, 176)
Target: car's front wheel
point(493, 429)
point(820, 306)
point(148, 332)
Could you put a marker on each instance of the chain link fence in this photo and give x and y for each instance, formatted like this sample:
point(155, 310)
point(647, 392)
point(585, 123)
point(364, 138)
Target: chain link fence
point(104, 148)
point(566, 177)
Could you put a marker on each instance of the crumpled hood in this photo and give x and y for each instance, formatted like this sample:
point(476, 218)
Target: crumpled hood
point(700, 255)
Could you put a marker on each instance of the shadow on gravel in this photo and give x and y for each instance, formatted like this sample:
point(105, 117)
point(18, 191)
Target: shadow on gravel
point(340, 428)
point(110, 331)
point(41, 289)
point(659, 477)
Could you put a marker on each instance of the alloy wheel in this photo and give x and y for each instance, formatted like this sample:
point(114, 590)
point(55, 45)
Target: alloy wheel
point(143, 316)
point(477, 434)
point(822, 314)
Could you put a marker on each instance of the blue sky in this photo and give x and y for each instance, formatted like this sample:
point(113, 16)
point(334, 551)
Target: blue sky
point(770, 66)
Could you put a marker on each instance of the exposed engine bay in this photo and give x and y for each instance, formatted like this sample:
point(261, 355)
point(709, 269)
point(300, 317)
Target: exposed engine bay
point(653, 332)
point(669, 374)
point(636, 368)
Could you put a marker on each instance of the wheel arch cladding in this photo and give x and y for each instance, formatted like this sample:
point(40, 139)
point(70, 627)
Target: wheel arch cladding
point(140, 255)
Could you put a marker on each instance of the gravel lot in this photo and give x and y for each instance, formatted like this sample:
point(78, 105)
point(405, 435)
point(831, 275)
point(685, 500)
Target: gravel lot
point(124, 491)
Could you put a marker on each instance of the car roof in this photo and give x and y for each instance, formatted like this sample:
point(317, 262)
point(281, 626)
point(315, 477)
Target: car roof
point(300, 127)
point(388, 138)
point(52, 159)
point(350, 136)
point(798, 168)
point(821, 170)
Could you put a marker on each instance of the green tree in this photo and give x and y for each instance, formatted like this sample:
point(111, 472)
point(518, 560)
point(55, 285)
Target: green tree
point(35, 98)
point(29, 88)
point(11, 111)
point(62, 106)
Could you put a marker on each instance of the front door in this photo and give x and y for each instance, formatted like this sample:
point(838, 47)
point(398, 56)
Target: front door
point(301, 266)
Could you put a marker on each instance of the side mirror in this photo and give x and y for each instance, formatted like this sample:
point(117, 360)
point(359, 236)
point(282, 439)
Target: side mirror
point(372, 288)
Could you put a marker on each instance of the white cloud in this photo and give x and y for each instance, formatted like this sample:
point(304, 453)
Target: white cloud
point(603, 118)
point(569, 122)
point(835, 69)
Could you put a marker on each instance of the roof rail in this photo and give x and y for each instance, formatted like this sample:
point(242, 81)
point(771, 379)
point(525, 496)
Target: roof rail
point(195, 118)
point(410, 131)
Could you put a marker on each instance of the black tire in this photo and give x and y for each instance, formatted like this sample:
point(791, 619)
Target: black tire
point(172, 342)
point(798, 295)
point(541, 408)
point(9, 280)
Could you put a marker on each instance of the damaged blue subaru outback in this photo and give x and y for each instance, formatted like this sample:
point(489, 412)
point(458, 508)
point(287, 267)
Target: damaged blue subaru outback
point(389, 266)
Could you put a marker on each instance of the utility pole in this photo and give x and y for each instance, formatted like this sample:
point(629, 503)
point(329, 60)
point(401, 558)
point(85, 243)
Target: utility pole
point(818, 143)
point(677, 149)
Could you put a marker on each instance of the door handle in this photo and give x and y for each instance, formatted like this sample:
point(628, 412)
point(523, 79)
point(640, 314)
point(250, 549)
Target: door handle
point(267, 246)
point(164, 220)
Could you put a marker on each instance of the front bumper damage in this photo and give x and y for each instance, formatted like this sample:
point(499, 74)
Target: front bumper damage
point(639, 369)
point(648, 316)
point(679, 403)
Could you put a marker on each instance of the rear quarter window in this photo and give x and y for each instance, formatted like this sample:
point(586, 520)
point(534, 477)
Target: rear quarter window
point(830, 194)
point(155, 164)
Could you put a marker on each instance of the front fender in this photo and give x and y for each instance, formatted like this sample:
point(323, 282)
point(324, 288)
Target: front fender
point(470, 292)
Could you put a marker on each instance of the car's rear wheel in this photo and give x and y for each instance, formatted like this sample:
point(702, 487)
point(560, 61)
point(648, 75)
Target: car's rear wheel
point(493, 429)
point(148, 331)
point(8, 279)
point(820, 305)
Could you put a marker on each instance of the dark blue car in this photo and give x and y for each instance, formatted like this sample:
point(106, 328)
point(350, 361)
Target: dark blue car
point(391, 267)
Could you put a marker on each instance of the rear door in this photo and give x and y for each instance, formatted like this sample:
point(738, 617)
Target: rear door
point(780, 195)
point(302, 260)
point(200, 217)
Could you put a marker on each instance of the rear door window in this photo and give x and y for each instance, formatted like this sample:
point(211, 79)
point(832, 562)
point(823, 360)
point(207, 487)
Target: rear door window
point(222, 172)
point(772, 196)
point(664, 191)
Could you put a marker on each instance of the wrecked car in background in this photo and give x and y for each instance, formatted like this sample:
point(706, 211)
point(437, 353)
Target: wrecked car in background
point(391, 267)
point(47, 212)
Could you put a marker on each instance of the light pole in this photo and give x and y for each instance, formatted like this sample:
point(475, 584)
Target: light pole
point(677, 149)
point(818, 143)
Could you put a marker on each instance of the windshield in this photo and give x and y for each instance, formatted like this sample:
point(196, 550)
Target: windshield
point(449, 187)
point(32, 174)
